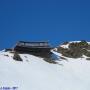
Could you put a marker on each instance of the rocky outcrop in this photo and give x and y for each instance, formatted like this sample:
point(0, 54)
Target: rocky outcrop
point(75, 49)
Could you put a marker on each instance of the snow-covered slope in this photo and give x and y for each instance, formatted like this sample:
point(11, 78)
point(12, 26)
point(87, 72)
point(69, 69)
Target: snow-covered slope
point(33, 73)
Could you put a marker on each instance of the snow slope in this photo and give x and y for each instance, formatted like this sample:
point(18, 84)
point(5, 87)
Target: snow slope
point(36, 74)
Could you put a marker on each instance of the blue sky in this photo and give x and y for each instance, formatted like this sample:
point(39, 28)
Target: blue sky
point(53, 20)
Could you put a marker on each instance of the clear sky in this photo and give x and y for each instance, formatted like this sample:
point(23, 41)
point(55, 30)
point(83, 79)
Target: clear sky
point(52, 20)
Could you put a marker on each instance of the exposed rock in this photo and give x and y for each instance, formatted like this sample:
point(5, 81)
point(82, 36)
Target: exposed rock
point(75, 49)
point(17, 57)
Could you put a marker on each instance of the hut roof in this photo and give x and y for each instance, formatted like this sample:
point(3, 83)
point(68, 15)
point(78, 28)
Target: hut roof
point(33, 44)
